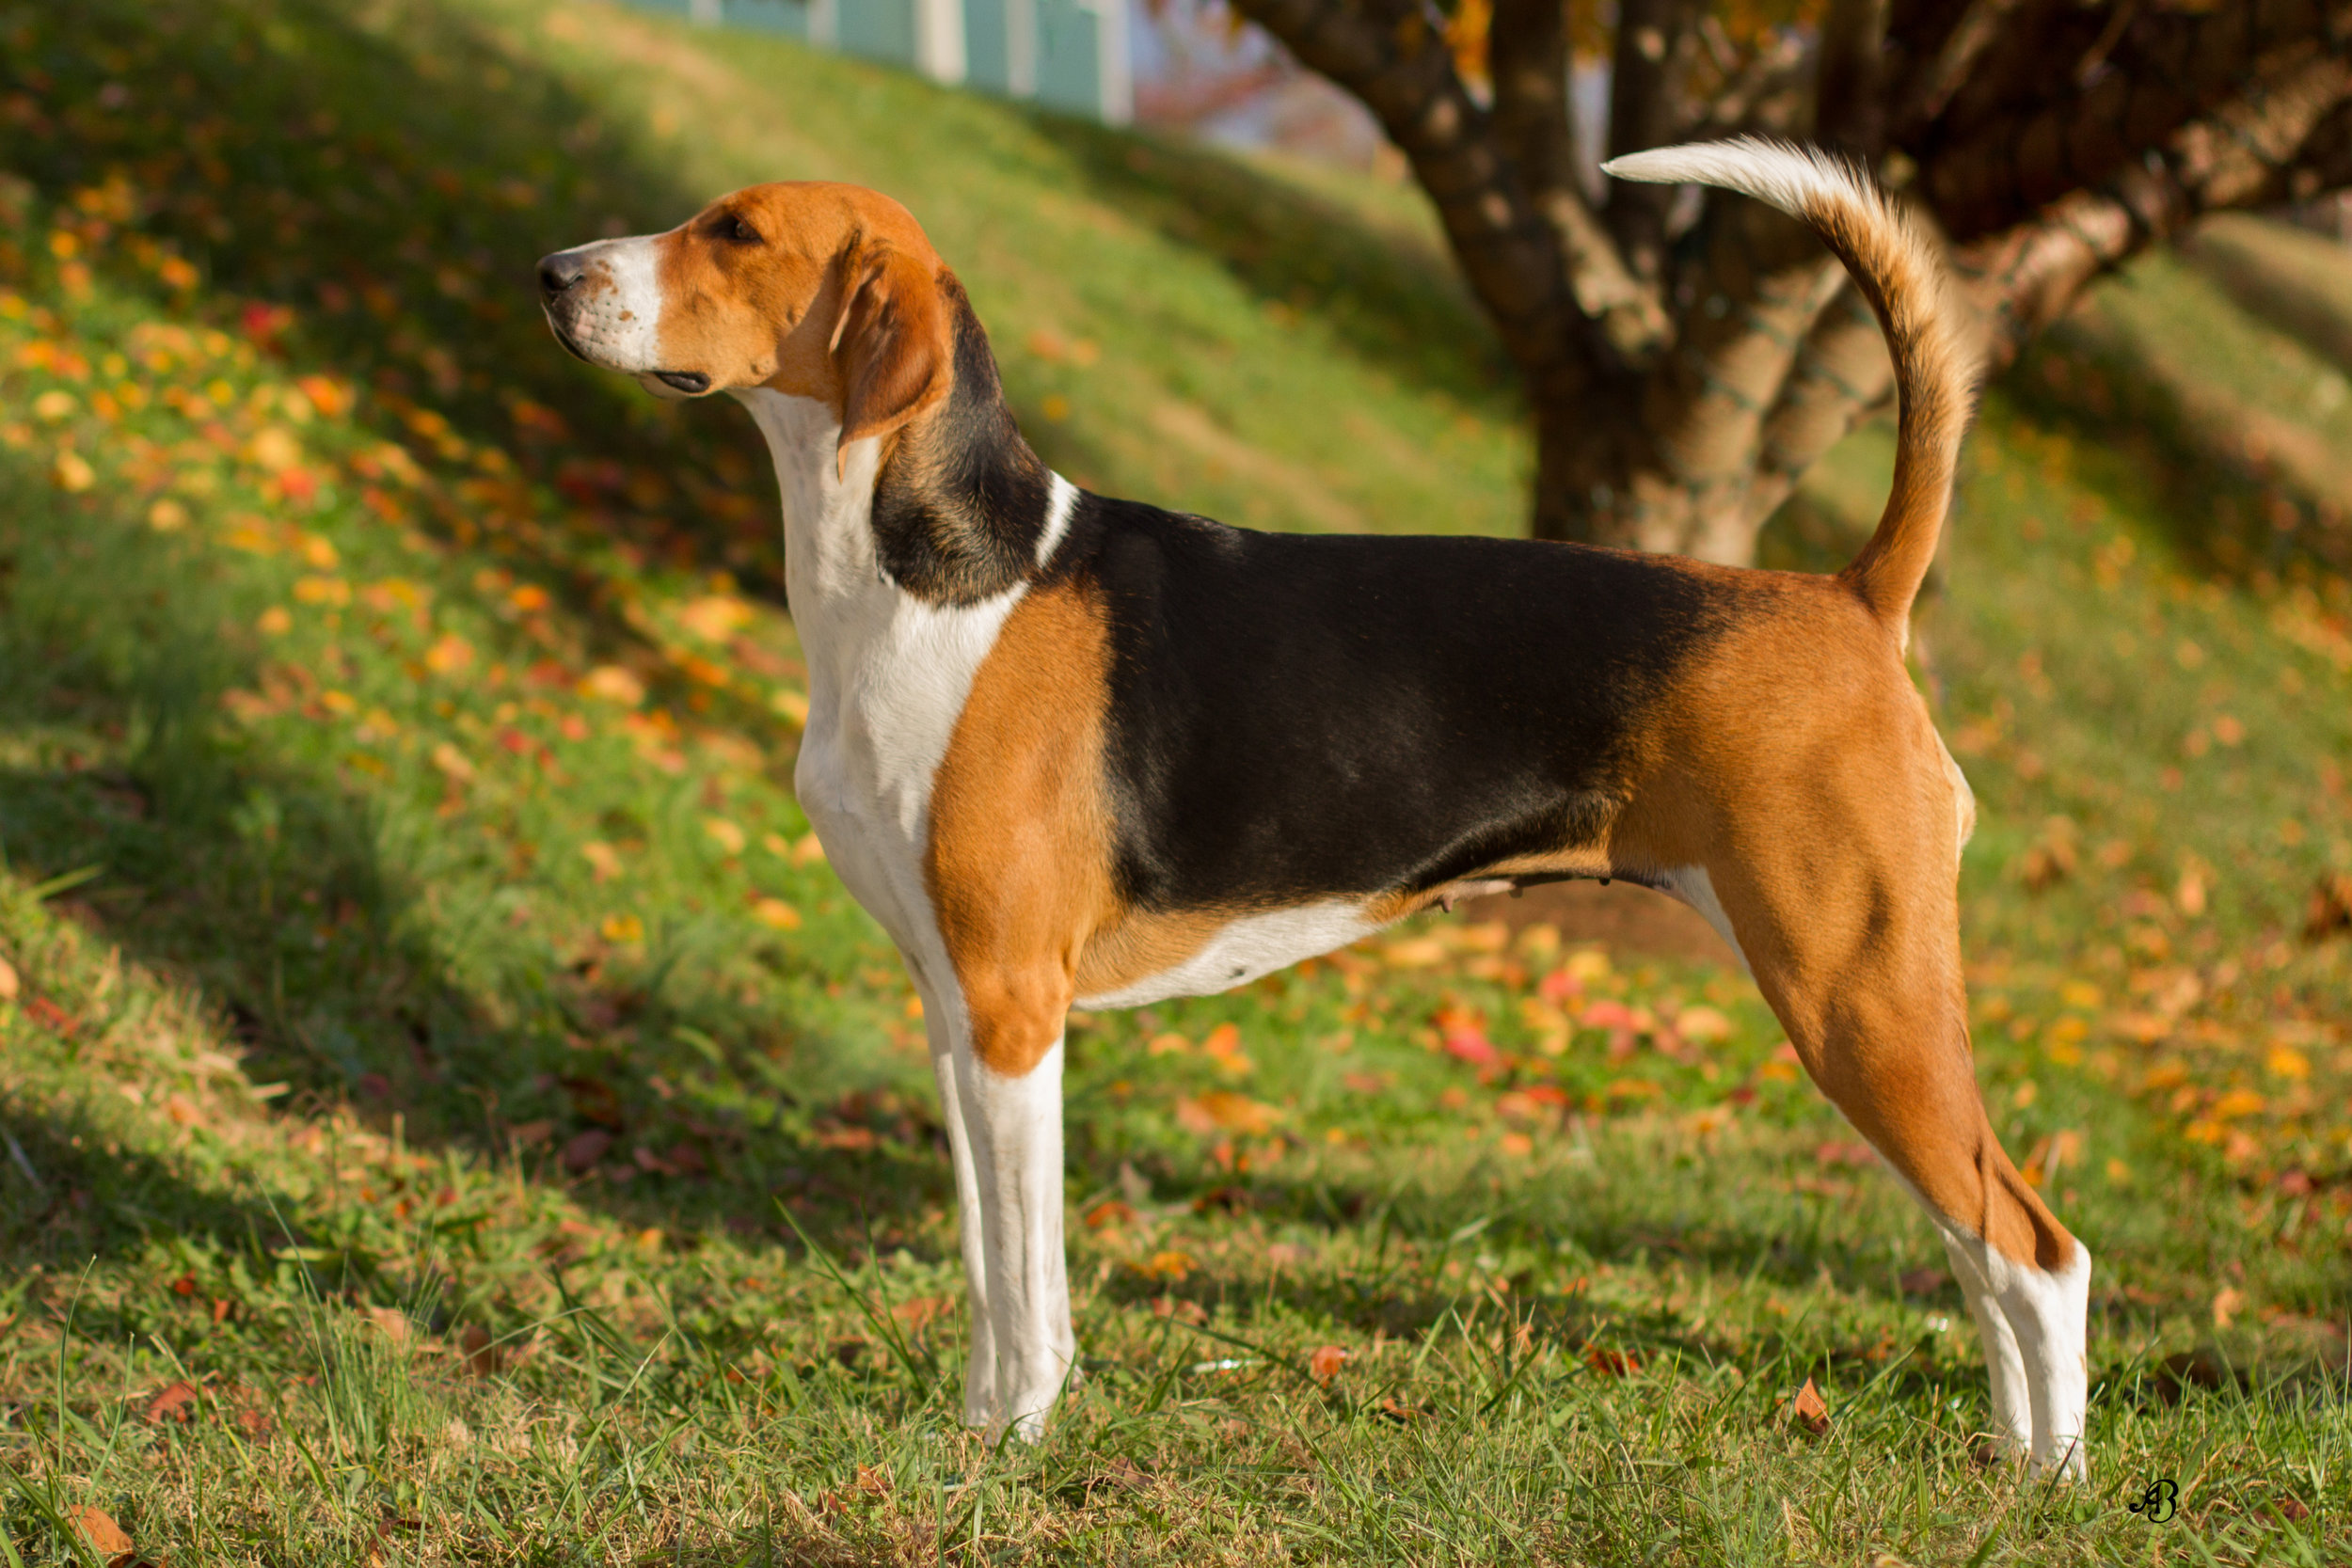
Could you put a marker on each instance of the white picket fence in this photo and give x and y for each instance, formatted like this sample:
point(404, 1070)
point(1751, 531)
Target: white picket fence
point(1069, 54)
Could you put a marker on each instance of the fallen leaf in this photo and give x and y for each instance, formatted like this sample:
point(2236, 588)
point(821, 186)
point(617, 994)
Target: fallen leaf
point(2228, 1302)
point(449, 655)
point(1703, 1026)
point(1109, 1211)
point(776, 913)
point(1324, 1363)
point(453, 763)
point(483, 1355)
point(2293, 1510)
point(614, 685)
point(172, 1404)
point(1221, 1110)
point(1808, 1410)
point(99, 1529)
point(582, 1152)
point(1612, 1363)
point(8, 984)
point(1924, 1281)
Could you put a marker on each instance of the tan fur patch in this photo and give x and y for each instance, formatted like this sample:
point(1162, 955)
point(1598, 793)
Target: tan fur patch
point(1019, 866)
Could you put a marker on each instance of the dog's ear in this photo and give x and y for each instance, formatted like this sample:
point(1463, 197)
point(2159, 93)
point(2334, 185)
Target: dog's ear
point(892, 343)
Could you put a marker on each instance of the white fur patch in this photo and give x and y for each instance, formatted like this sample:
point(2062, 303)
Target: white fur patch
point(1057, 510)
point(1796, 180)
point(1014, 1125)
point(1247, 948)
point(1690, 884)
point(616, 319)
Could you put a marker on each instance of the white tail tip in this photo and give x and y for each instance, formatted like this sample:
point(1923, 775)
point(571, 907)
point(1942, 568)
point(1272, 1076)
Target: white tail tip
point(1793, 179)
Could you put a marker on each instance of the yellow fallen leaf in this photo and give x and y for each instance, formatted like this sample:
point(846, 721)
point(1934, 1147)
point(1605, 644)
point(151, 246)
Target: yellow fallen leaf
point(1221, 1110)
point(623, 928)
point(808, 852)
point(725, 834)
point(449, 654)
point(166, 516)
point(451, 761)
point(614, 685)
point(2284, 1061)
point(793, 706)
point(72, 471)
point(715, 617)
point(275, 450)
point(2238, 1102)
point(2228, 1302)
point(329, 591)
point(54, 404)
point(1415, 953)
point(1702, 1025)
point(10, 985)
point(777, 913)
point(602, 859)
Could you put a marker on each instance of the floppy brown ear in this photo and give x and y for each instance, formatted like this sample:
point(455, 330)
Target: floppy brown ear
point(893, 346)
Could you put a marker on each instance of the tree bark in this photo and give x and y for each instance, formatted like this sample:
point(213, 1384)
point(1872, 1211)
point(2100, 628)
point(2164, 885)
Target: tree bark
point(1682, 383)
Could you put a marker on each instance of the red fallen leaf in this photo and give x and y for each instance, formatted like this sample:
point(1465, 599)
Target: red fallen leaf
point(1470, 1045)
point(1612, 1363)
point(99, 1529)
point(51, 1017)
point(2297, 1183)
point(1324, 1363)
point(222, 1306)
point(1364, 1083)
point(483, 1355)
point(185, 1285)
point(253, 1424)
point(1808, 1410)
point(1606, 1014)
point(920, 1311)
point(1558, 987)
point(173, 1405)
point(1109, 1211)
point(873, 1481)
point(1924, 1281)
point(2293, 1510)
point(581, 1154)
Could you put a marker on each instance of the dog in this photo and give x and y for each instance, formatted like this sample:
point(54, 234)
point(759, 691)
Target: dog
point(1076, 750)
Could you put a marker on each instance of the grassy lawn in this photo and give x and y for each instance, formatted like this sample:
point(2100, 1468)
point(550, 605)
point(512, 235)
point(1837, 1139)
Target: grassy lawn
point(452, 1113)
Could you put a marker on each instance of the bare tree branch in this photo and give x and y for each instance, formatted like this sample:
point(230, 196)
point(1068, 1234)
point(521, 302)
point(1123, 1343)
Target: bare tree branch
point(1849, 103)
point(1528, 64)
point(1386, 53)
point(1642, 114)
point(2165, 70)
point(2284, 138)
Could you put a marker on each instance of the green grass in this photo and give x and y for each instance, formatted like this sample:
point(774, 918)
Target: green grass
point(436, 1044)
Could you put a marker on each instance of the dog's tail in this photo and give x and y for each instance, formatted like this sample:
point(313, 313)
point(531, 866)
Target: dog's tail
point(1897, 268)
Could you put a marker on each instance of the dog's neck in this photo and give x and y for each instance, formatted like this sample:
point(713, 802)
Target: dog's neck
point(952, 509)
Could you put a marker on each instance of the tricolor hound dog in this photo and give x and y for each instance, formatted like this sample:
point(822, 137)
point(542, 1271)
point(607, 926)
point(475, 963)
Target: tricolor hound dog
point(1072, 751)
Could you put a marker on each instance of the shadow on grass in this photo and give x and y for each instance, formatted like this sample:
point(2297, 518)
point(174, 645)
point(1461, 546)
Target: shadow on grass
point(304, 911)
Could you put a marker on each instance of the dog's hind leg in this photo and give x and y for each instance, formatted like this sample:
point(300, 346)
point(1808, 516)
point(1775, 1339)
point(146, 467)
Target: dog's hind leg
point(1854, 940)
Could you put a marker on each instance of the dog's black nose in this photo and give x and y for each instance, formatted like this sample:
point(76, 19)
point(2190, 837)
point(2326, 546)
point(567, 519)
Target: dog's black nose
point(559, 272)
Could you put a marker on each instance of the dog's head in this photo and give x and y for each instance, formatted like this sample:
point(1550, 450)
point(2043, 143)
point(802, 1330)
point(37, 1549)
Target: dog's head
point(813, 290)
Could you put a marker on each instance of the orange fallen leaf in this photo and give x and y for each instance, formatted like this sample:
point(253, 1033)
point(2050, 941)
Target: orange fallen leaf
point(172, 1404)
point(1324, 1363)
point(104, 1536)
point(1809, 1411)
point(9, 983)
point(1612, 1363)
point(449, 655)
point(1221, 1110)
point(2228, 1302)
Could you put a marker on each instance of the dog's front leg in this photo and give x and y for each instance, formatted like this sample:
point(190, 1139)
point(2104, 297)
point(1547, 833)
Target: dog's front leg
point(1005, 1129)
point(979, 1373)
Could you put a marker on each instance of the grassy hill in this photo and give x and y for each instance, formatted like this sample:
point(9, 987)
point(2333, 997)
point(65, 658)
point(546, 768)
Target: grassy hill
point(452, 1113)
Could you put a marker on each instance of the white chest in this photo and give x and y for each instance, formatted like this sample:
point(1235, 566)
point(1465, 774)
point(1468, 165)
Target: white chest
point(887, 674)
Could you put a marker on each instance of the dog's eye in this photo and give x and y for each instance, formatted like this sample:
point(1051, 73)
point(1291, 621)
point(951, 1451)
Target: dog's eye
point(740, 232)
